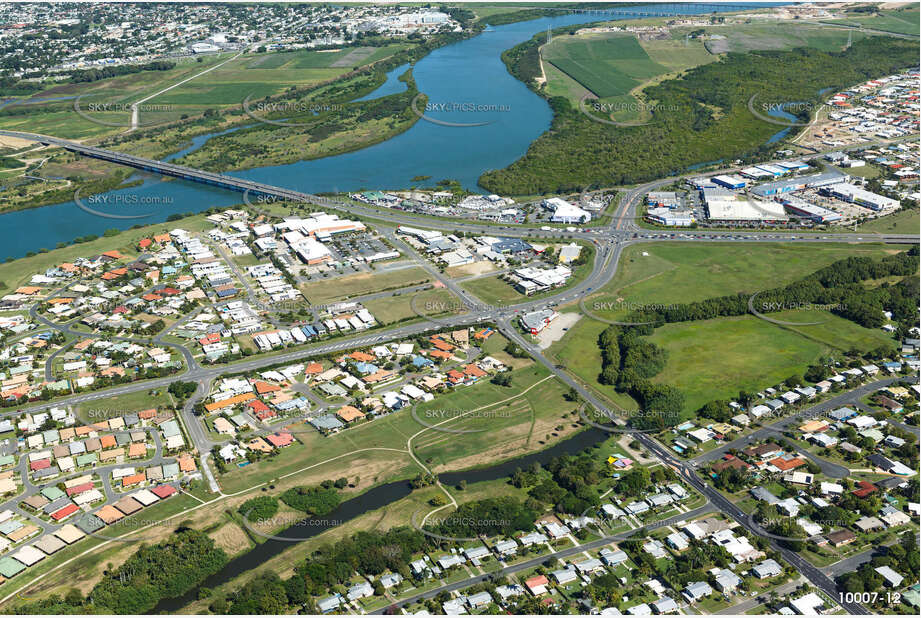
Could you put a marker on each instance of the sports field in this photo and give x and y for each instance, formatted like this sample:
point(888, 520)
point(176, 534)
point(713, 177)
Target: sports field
point(606, 65)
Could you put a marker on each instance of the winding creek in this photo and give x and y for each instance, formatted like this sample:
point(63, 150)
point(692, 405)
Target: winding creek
point(464, 73)
point(373, 499)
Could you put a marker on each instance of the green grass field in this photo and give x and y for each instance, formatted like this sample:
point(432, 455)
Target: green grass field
point(391, 433)
point(905, 21)
point(606, 65)
point(679, 273)
point(714, 359)
point(903, 222)
point(428, 302)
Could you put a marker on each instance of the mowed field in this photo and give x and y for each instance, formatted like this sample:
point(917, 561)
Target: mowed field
point(903, 22)
point(716, 358)
point(607, 65)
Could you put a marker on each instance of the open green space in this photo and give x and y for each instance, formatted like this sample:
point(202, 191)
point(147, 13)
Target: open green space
point(377, 444)
point(663, 273)
point(342, 288)
point(101, 409)
point(520, 424)
point(715, 359)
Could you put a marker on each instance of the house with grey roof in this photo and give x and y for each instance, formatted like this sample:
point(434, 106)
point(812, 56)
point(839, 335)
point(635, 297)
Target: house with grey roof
point(767, 568)
point(695, 591)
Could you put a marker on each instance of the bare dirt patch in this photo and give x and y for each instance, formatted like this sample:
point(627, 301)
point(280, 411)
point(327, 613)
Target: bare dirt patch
point(557, 328)
point(476, 268)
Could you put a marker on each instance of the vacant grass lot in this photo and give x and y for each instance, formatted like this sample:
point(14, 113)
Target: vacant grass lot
point(343, 288)
point(903, 222)
point(427, 302)
point(100, 409)
point(741, 38)
point(715, 359)
point(682, 272)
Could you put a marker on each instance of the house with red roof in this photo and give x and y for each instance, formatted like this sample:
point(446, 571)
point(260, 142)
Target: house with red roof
point(864, 489)
point(280, 440)
point(163, 491)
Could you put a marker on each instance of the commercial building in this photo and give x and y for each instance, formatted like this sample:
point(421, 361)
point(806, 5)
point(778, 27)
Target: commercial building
point(730, 182)
point(535, 321)
point(740, 209)
point(812, 212)
point(857, 195)
point(667, 216)
point(564, 212)
point(801, 183)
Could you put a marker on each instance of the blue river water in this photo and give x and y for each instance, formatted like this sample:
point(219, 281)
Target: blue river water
point(466, 83)
point(392, 85)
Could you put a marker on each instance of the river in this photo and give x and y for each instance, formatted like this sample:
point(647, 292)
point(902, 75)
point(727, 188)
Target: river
point(467, 73)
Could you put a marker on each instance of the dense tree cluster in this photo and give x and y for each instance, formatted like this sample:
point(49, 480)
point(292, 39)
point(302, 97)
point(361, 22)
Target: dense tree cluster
point(628, 361)
point(312, 500)
point(94, 75)
point(165, 570)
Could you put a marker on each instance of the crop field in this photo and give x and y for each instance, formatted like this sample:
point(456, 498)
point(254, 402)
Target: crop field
point(606, 65)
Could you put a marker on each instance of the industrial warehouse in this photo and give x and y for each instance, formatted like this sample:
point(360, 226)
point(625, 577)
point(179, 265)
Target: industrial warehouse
point(740, 200)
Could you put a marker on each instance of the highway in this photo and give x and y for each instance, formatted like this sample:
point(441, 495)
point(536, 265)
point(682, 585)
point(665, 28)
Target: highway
point(609, 242)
